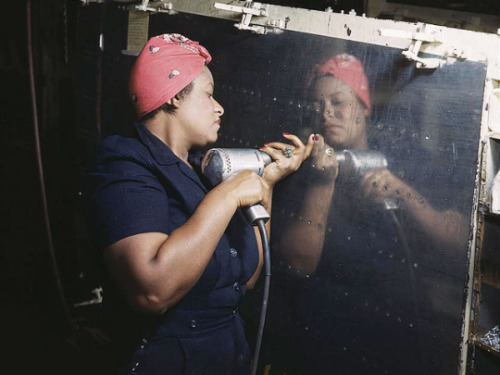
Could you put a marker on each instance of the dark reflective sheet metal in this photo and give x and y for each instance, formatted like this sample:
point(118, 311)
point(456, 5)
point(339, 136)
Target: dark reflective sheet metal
point(368, 264)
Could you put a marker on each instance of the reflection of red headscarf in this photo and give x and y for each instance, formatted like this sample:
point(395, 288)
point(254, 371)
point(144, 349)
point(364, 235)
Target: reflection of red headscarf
point(166, 65)
point(349, 70)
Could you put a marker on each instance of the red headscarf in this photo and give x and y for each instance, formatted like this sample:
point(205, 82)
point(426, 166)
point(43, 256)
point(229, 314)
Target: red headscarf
point(349, 70)
point(166, 65)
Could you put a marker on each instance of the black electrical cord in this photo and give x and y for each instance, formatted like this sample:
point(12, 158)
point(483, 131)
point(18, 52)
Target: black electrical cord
point(99, 60)
point(267, 281)
point(55, 268)
point(414, 291)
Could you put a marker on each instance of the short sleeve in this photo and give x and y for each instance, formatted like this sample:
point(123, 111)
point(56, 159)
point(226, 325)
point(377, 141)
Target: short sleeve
point(126, 198)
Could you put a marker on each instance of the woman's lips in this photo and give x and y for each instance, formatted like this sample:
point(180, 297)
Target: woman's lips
point(332, 128)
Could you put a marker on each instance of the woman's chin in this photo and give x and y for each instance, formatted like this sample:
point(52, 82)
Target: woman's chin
point(339, 143)
point(213, 139)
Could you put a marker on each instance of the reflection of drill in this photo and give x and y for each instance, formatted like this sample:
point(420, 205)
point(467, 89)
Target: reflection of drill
point(357, 163)
point(354, 164)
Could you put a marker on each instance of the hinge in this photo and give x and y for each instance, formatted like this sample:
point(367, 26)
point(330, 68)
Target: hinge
point(494, 196)
point(494, 111)
point(87, 2)
point(161, 6)
point(417, 37)
point(249, 10)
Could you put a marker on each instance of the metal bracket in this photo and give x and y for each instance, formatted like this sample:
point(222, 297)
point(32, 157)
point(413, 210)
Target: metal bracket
point(418, 37)
point(250, 9)
point(494, 112)
point(96, 300)
point(87, 2)
point(494, 195)
point(156, 7)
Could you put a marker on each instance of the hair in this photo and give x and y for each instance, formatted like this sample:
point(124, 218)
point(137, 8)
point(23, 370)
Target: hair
point(166, 107)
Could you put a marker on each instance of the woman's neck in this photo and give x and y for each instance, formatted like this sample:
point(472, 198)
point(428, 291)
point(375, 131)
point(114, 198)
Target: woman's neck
point(165, 130)
point(360, 144)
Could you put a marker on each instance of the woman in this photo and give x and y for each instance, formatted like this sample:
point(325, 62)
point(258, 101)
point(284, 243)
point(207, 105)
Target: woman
point(179, 256)
point(352, 286)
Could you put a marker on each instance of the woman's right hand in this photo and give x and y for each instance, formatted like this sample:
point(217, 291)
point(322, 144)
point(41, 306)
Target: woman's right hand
point(245, 188)
point(323, 159)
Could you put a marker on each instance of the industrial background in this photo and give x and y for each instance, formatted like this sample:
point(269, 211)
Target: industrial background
point(44, 264)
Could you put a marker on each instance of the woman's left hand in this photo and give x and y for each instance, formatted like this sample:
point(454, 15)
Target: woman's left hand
point(286, 158)
point(380, 184)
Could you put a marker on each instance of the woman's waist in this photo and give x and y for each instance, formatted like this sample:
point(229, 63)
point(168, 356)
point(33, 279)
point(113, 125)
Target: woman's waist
point(189, 322)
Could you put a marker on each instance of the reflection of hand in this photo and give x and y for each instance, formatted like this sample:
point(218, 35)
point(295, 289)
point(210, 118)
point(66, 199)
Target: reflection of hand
point(323, 160)
point(283, 165)
point(380, 184)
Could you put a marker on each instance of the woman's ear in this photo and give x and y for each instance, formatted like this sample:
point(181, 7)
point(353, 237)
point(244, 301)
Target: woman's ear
point(367, 112)
point(175, 102)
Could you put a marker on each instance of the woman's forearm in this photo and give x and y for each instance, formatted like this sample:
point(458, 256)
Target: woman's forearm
point(446, 227)
point(302, 243)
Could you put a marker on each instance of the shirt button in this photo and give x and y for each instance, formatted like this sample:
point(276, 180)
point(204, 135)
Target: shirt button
point(192, 324)
point(233, 252)
point(236, 287)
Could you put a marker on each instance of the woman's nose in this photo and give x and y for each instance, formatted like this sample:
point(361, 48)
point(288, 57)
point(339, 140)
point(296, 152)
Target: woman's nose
point(328, 111)
point(218, 108)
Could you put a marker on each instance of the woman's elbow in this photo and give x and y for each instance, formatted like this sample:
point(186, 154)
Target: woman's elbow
point(154, 303)
point(150, 304)
point(250, 284)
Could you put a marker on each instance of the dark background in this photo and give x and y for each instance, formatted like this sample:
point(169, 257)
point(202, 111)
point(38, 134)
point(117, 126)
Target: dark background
point(45, 267)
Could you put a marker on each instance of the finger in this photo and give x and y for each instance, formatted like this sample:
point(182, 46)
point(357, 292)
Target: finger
point(295, 140)
point(309, 146)
point(274, 152)
point(301, 150)
point(318, 145)
point(324, 151)
point(280, 146)
point(287, 150)
point(320, 141)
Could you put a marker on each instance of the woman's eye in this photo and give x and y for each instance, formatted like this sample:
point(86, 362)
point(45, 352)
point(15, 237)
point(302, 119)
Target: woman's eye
point(316, 107)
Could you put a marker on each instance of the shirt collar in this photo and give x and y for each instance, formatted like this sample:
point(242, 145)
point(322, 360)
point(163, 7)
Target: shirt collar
point(160, 151)
point(164, 155)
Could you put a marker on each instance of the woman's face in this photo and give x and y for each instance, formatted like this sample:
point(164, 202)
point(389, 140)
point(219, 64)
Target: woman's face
point(199, 112)
point(342, 115)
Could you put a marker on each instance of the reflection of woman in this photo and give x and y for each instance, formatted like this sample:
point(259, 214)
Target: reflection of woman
point(179, 259)
point(339, 89)
point(352, 310)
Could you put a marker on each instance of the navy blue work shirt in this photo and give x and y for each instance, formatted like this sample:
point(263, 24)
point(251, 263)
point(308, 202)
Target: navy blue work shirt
point(139, 185)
